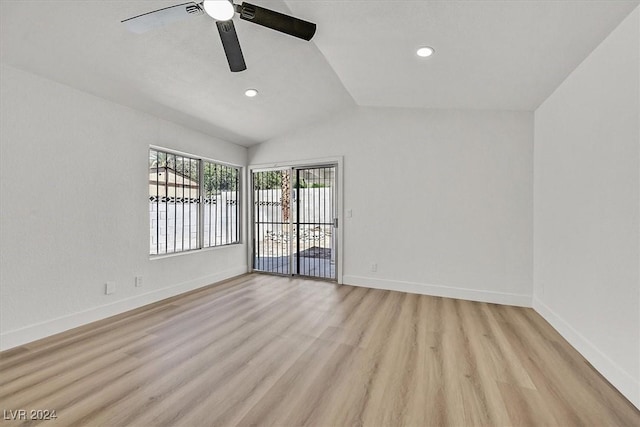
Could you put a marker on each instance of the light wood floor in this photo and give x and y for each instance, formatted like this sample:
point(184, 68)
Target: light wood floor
point(264, 350)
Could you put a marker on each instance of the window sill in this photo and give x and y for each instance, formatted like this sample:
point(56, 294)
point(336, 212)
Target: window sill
point(193, 251)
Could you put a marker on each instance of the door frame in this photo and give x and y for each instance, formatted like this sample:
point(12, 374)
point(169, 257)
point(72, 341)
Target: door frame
point(308, 163)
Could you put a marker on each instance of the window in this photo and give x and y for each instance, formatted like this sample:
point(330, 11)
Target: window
point(193, 203)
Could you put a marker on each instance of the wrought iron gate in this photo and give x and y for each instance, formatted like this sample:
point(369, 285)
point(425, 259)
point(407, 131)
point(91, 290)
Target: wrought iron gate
point(294, 221)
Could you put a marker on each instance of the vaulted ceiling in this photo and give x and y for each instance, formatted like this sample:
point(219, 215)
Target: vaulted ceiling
point(504, 55)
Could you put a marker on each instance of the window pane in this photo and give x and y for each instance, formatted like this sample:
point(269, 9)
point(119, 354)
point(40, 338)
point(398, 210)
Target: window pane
point(221, 210)
point(173, 202)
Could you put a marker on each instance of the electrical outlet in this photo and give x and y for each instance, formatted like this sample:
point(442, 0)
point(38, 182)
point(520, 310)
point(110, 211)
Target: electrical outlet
point(374, 267)
point(109, 288)
point(138, 281)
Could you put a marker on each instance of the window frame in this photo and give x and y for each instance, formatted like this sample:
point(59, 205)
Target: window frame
point(201, 205)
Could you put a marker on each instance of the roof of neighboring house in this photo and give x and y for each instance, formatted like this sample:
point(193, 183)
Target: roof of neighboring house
point(174, 177)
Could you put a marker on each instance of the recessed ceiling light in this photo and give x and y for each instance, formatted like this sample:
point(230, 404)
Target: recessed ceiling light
point(425, 51)
point(220, 10)
point(250, 93)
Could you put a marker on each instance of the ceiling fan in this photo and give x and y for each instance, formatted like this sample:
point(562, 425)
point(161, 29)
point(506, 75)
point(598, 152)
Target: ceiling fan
point(223, 11)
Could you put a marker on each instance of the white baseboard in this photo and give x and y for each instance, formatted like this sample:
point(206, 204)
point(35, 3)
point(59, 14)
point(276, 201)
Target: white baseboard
point(520, 300)
point(37, 331)
point(617, 376)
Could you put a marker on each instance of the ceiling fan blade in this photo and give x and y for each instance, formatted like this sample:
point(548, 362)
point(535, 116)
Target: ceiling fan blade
point(158, 18)
point(277, 21)
point(231, 45)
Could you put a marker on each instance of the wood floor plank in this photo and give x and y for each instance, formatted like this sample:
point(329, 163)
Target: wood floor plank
point(525, 406)
point(482, 377)
point(277, 351)
point(504, 360)
point(426, 404)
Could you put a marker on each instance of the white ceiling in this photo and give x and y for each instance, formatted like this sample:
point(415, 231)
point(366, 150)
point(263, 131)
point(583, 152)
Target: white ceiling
point(507, 55)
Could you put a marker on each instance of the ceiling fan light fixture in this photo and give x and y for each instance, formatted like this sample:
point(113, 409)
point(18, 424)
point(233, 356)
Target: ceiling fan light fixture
point(220, 10)
point(250, 93)
point(425, 51)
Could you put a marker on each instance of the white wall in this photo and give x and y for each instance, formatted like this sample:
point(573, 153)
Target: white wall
point(441, 200)
point(587, 208)
point(74, 198)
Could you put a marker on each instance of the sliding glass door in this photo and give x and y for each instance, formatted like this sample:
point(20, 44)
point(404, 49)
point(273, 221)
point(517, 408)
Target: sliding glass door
point(294, 221)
